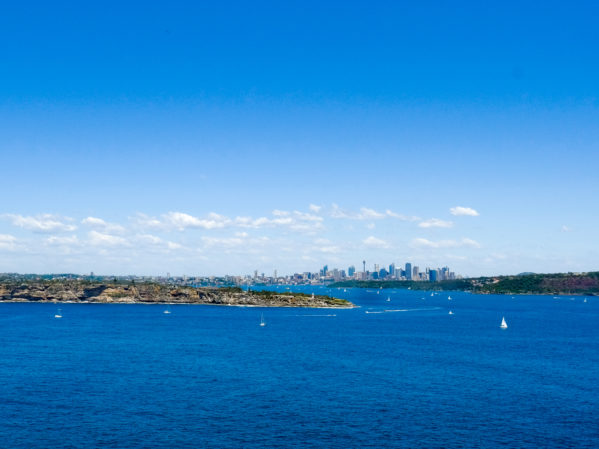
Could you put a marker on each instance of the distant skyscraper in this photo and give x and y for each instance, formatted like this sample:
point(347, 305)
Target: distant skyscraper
point(432, 275)
point(275, 274)
point(408, 271)
point(376, 267)
point(364, 263)
point(392, 269)
point(350, 271)
point(415, 273)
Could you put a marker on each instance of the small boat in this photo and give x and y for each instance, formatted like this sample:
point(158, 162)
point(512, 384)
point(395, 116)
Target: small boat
point(503, 323)
point(58, 314)
point(432, 294)
point(388, 298)
point(585, 300)
point(167, 310)
point(449, 298)
point(262, 322)
point(450, 312)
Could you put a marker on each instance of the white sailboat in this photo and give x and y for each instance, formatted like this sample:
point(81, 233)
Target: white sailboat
point(58, 314)
point(450, 312)
point(167, 311)
point(449, 298)
point(262, 322)
point(432, 294)
point(503, 323)
point(388, 298)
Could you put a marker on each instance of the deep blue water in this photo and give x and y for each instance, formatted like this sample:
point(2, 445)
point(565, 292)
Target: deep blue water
point(130, 376)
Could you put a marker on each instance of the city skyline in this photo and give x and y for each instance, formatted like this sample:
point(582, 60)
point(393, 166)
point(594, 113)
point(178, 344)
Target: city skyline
point(217, 138)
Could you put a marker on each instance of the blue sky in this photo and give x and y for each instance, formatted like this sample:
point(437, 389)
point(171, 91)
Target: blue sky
point(225, 137)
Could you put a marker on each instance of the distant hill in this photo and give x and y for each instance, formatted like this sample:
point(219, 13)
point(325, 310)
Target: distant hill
point(545, 284)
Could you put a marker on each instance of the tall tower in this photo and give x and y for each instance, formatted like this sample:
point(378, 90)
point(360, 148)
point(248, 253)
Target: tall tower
point(364, 263)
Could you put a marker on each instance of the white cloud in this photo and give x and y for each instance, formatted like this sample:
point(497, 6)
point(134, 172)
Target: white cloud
point(459, 210)
point(369, 214)
point(425, 243)
point(181, 221)
point(62, 241)
point(366, 213)
point(294, 220)
point(401, 216)
point(435, 223)
point(314, 208)
point(374, 242)
point(98, 223)
point(7, 241)
point(100, 239)
point(566, 228)
point(42, 223)
point(144, 221)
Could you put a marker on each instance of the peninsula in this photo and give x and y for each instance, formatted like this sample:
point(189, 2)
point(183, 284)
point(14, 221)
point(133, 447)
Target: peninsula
point(79, 291)
point(528, 283)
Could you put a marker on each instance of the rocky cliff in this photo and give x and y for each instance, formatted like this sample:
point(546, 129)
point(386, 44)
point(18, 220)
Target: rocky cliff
point(90, 292)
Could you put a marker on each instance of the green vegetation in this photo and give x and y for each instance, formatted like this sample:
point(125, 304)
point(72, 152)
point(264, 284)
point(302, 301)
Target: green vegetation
point(548, 284)
point(273, 294)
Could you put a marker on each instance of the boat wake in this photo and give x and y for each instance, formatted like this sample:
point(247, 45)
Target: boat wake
point(420, 309)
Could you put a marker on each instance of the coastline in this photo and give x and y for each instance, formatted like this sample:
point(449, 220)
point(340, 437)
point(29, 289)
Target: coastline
point(78, 292)
point(153, 303)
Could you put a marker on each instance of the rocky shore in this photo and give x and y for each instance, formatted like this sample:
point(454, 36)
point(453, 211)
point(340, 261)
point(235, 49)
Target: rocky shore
point(151, 293)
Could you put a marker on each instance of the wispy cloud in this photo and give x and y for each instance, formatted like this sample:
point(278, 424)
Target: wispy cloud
point(566, 228)
point(374, 242)
point(44, 223)
point(425, 243)
point(366, 213)
point(460, 210)
point(293, 220)
point(56, 240)
point(7, 241)
point(435, 223)
point(98, 223)
point(100, 239)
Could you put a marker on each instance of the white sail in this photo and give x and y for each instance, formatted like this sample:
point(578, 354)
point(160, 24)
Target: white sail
point(58, 314)
point(262, 322)
point(503, 323)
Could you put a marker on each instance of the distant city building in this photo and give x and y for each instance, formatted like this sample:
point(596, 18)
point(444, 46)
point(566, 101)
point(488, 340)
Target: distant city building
point(432, 275)
point(350, 271)
point(376, 267)
point(408, 271)
point(415, 272)
point(392, 269)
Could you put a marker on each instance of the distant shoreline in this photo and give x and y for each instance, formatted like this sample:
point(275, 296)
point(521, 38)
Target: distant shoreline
point(558, 284)
point(81, 292)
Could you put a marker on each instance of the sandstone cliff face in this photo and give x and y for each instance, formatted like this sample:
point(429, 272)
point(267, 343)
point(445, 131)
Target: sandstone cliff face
point(85, 292)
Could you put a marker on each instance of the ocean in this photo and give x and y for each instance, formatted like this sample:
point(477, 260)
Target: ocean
point(406, 374)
